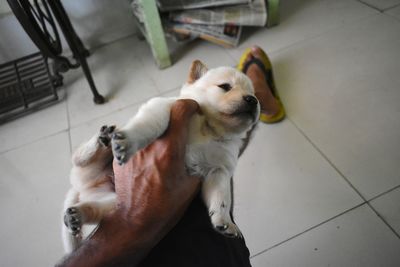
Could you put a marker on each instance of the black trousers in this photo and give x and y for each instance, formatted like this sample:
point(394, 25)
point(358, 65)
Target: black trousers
point(193, 243)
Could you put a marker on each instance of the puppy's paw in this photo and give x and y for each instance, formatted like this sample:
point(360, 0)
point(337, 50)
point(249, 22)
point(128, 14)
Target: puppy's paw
point(225, 226)
point(73, 220)
point(106, 134)
point(120, 147)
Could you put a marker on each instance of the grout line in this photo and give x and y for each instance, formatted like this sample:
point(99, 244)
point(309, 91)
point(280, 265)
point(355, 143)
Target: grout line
point(99, 46)
point(68, 53)
point(33, 141)
point(328, 160)
point(392, 16)
point(309, 229)
point(69, 127)
point(384, 193)
point(386, 9)
point(69, 123)
point(378, 214)
point(369, 5)
point(383, 219)
point(113, 111)
point(347, 180)
point(125, 107)
point(311, 38)
point(147, 72)
point(380, 10)
point(307, 39)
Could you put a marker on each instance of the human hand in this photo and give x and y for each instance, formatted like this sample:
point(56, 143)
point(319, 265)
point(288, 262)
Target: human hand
point(153, 191)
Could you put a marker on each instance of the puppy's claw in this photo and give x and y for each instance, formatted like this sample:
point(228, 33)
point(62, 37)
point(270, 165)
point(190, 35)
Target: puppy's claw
point(71, 210)
point(119, 149)
point(105, 135)
point(222, 227)
point(72, 220)
point(117, 136)
point(225, 226)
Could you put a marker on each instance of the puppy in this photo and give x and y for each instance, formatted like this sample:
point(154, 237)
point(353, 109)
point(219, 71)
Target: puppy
point(229, 110)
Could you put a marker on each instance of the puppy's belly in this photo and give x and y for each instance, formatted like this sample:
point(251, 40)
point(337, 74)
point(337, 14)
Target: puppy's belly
point(201, 159)
point(92, 178)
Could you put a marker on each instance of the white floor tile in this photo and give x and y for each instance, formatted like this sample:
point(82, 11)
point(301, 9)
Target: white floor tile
point(33, 126)
point(167, 79)
point(382, 4)
point(302, 20)
point(119, 76)
point(395, 12)
point(33, 185)
point(357, 238)
point(341, 89)
point(388, 206)
point(283, 187)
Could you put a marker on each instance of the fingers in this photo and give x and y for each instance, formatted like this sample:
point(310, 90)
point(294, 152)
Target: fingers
point(171, 146)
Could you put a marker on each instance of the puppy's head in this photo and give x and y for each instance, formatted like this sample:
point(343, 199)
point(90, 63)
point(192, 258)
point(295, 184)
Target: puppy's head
point(225, 95)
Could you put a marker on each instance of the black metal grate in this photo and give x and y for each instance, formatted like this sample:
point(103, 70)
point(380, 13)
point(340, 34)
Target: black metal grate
point(25, 85)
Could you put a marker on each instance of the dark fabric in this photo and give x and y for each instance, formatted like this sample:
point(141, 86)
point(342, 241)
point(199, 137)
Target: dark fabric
point(194, 243)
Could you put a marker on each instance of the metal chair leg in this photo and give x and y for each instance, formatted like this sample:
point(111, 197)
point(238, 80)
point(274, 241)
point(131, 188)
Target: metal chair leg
point(97, 98)
point(78, 49)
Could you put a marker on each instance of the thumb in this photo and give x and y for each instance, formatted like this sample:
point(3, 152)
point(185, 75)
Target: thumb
point(181, 113)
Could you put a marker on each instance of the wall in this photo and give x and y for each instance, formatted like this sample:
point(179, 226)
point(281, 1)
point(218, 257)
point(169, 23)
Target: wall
point(97, 22)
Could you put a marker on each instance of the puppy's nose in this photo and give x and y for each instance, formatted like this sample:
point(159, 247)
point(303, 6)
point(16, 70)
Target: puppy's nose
point(251, 100)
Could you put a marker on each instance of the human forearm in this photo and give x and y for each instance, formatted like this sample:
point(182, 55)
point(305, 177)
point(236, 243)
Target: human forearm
point(122, 241)
point(116, 243)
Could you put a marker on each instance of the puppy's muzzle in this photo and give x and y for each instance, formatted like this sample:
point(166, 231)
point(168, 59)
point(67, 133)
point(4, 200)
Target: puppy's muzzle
point(251, 101)
point(248, 107)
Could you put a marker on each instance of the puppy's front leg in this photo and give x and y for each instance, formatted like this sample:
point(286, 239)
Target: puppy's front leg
point(216, 192)
point(149, 123)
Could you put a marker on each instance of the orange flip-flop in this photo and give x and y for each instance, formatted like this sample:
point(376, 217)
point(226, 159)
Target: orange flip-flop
point(265, 65)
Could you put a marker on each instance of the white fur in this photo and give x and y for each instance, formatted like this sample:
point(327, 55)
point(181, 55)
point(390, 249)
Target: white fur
point(215, 138)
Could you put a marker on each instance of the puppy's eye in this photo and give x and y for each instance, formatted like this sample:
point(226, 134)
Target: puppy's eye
point(225, 86)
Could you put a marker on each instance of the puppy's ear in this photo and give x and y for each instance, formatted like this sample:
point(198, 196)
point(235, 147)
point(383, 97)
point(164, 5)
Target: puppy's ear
point(197, 69)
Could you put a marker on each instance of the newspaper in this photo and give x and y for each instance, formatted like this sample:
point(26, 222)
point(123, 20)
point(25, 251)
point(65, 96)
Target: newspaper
point(169, 5)
point(137, 10)
point(252, 14)
point(225, 35)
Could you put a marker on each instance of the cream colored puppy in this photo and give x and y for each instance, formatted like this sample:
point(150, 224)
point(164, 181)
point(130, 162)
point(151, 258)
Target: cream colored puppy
point(228, 110)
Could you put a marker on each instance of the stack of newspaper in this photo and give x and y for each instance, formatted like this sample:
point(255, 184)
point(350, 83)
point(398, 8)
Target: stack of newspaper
point(218, 21)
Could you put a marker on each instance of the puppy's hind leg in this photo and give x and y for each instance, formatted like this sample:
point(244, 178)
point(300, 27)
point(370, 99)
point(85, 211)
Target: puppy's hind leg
point(87, 152)
point(70, 241)
point(89, 211)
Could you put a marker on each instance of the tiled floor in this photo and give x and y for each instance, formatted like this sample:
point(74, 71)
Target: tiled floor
point(322, 188)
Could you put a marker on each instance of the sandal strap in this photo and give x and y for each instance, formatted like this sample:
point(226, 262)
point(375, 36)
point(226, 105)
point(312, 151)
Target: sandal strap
point(267, 73)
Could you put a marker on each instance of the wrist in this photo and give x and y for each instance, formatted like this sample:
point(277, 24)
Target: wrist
point(115, 242)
